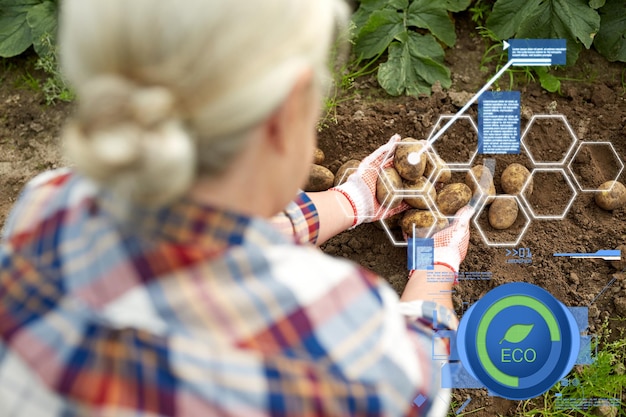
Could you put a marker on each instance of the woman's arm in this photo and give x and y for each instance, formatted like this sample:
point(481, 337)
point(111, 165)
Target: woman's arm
point(333, 210)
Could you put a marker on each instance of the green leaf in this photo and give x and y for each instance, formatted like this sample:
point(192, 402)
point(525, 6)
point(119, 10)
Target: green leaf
point(611, 39)
point(42, 20)
point(379, 31)
point(399, 4)
point(457, 5)
point(569, 19)
point(596, 4)
point(548, 81)
point(15, 34)
point(573, 20)
point(506, 16)
point(432, 15)
point(517, 333)
point(365, 10)
point(414, 65)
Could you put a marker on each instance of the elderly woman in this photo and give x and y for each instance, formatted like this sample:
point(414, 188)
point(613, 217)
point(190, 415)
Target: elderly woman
point(172, 271)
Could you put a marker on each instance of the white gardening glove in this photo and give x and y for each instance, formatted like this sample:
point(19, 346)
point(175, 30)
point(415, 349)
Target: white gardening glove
point(452, 242)
point(360, 187)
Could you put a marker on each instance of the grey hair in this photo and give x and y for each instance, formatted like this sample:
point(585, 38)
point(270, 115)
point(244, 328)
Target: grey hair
point(170, 88)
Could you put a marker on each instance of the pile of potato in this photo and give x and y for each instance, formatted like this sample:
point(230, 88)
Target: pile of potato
point(408, 180)
point(504, 209)
point(409, 177)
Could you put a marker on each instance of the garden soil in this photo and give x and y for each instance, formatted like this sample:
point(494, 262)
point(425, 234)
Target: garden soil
point(594, 107)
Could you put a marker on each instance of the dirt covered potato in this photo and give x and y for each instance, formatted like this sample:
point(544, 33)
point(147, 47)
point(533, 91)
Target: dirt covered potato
point(423, 187)
point(437, 169)
point(503, 212)
point(423, 221)
point(484, 178)
point(384, 192)
point(611, 195)
point(318, 156)
point(452, 197)
point(345, 171)
point(410, 159)
point(513, 179)
point(320, 179)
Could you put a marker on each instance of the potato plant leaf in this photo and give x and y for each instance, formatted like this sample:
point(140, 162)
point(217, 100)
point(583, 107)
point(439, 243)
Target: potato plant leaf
point(23, 23)
point(457, 5)
point(517, 333)
point(414, 65)
point(596, 4)
point(362, 14)
point(414, 59)
point(611, 39)
point(507, 15)
point(379, 31)
point(432, 15)
point(42, 19)
point(573, 20)
point(548, 81)
point(15, 34)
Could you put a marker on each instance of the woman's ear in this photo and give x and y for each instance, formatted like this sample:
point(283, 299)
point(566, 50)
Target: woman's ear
point(289, 116)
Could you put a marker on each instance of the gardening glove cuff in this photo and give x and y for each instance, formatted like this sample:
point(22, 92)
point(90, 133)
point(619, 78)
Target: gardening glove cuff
point(452, 242)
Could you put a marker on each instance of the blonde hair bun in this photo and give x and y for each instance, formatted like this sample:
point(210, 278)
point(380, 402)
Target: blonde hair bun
point(128, 138)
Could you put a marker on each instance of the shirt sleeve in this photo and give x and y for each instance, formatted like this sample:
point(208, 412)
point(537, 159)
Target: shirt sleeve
point(299, 220)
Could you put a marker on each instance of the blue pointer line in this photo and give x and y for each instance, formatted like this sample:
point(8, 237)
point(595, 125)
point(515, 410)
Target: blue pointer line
point(607, 255)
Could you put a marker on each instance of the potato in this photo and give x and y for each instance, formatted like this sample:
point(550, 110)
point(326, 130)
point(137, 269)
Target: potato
point(479, 172)
point(320, 179)
point(513, 179)
point(410, 159)
point(384, 190)
point(484, 177)
point(452, 197)
point(423, 221)
point(318, 156)
point(345, 171)
point(611, 195)
point(503, 212)
point(437, 169)
point(422, 187)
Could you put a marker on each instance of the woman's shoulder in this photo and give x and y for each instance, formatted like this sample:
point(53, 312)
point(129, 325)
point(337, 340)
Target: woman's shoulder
point(49, 196)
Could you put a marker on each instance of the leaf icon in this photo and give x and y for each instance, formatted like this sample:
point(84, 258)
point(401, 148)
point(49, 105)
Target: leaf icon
point(517, 333)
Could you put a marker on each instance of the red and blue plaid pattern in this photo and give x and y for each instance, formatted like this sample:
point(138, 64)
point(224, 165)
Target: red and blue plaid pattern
point(190, 310)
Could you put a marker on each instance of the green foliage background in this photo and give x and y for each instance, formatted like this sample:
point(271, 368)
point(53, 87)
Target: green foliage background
point(409, 36)
point(414, 33)
point(27, 22)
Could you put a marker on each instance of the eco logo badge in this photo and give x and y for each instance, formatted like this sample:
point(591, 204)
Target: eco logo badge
point(518, 340)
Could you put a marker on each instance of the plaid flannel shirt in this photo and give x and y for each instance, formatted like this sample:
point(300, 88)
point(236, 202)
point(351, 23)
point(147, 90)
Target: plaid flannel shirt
point(194, 311)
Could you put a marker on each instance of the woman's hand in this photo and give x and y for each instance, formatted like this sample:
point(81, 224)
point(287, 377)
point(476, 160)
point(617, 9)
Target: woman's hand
point(360, 188)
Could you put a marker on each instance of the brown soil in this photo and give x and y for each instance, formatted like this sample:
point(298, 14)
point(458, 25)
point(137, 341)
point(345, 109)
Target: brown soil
point(595, 108)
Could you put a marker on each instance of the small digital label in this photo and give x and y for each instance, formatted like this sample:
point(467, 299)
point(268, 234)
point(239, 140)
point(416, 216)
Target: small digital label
point(535, 52)
point(499, 122)
point(420, 254)
point(519, 256)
